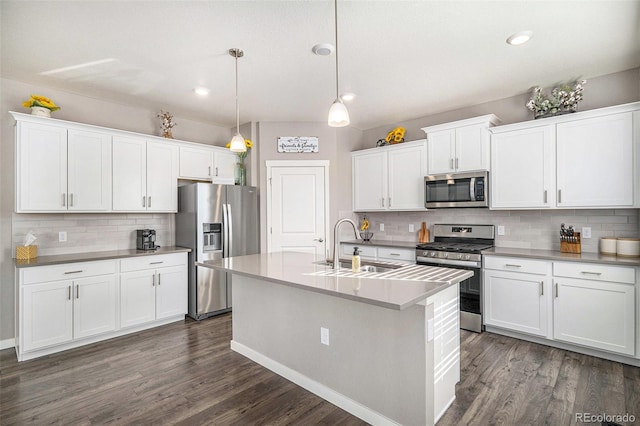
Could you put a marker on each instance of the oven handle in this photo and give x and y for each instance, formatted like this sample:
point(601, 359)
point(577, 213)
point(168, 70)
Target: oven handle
point(447, 262)
point(472, 191)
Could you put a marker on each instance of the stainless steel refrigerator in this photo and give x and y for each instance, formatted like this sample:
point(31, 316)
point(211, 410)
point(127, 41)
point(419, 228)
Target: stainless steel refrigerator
point(215, 221)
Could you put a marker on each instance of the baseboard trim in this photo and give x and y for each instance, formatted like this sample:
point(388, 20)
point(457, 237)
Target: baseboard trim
point(363, 412)
point(7, 343)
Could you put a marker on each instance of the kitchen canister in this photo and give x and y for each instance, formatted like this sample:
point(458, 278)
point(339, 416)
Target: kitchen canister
point(608, 246)
point(628, 247)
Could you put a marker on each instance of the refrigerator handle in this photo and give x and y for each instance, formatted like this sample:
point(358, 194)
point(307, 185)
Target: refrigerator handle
point(225, 232)
point(230, 226)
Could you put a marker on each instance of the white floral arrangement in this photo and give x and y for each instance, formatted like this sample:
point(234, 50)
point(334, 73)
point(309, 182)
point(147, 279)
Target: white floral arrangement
point(167, 124)
point(564, 99)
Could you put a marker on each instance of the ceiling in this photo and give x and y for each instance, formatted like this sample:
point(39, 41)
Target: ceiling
point(402, 59)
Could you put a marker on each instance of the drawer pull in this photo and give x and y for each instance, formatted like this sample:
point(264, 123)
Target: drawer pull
point(73, 272)
point(591, 273)
point(156, 263)
point(394, 254)
point(512, 265)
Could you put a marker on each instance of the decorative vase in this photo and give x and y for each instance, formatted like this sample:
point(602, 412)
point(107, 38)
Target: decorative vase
point(241, 174)
point(41, 111)
point(555, 113)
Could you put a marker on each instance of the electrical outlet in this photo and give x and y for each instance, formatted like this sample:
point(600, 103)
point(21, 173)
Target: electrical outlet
point(62, 236)
point(586, 232)
point(500, 229)
point(411, 228)
point(381, 227)
point(324, 336)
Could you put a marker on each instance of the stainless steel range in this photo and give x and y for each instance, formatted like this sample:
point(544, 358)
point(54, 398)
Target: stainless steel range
point(459, 246)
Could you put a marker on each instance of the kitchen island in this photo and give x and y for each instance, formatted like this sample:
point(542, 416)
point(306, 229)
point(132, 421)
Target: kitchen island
point(384, 346)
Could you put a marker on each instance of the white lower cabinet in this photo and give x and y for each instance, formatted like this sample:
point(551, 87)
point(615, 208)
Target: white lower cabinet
point(69, 305)
point(586, 304)
point(517, 301)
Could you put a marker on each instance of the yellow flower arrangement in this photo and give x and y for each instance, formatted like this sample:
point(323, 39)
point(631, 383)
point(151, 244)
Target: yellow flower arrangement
point(40, 101)
point(396, 135)
point(243, 155)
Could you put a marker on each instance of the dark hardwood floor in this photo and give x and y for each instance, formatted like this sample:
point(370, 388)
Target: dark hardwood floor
point(185, 373)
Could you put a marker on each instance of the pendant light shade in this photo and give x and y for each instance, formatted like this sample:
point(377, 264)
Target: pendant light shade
point(237, 142)
point(338, 114)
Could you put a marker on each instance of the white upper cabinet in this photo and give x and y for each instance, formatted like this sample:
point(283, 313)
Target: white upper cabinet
point(224, 163)
point(195, 163)
point(144, 175)
point(595, 162)
point(60, 169)
point(389, 178)
point(582, 160)
point(459, 146)
point(522, 169)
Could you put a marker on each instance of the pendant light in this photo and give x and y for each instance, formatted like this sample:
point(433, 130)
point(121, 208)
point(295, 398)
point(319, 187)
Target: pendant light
point(237, 142)
point(338, 114)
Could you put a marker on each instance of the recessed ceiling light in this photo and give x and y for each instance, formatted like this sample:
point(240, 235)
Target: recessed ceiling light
point(519, 38)
point(201, 91)
point(347, 96)
point(323, 49)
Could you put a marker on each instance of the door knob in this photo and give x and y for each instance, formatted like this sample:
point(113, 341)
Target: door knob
point(318, 239)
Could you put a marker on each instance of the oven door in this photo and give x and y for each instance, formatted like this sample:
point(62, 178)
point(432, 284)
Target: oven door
point(456, 190)
point(470, 297)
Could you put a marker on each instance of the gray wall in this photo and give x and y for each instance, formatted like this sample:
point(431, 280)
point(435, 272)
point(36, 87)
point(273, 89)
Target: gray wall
point(86, 232)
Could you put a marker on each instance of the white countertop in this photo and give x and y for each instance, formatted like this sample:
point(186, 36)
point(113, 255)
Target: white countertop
point(397, 289)
point(383, 243)
point(556, 255)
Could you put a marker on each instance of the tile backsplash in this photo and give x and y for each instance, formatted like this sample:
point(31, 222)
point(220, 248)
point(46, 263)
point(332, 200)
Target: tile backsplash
point(89, 232)
point(535, 229)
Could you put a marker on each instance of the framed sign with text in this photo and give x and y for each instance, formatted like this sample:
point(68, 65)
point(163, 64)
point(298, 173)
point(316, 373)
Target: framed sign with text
point(304, 144)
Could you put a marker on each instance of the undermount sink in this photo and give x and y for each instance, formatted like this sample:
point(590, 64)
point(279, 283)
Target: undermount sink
point(363, 268)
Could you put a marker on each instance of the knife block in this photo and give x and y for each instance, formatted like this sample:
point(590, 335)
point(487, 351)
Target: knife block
point(568, 245)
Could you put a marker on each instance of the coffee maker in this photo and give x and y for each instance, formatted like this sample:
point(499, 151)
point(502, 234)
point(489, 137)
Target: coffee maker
point(146, 239)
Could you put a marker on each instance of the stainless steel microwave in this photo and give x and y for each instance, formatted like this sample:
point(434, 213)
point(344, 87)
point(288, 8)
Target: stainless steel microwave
point(457, 190)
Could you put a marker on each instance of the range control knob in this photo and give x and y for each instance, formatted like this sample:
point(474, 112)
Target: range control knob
point(445, 255)
point(432, 254)
point(467, 257)
point(460, 256)
point(424, 254)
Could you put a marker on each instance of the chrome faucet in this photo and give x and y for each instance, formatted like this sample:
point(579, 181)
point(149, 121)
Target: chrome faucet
point(336, 240)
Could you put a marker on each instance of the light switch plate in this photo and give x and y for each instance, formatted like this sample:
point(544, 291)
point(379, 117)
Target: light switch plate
point(500, 229)
point(62, 236)
point(382, 227)
point(324, 336)
point(586, 232)
point(411, 228)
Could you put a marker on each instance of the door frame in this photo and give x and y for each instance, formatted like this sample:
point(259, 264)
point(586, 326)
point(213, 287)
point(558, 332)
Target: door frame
point(298, 163)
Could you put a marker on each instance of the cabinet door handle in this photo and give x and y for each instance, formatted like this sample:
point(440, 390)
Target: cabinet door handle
point(71, 200)
point(156, 263)
point(158, 278)
point(149, 202)
point(144, 201)
point(394, 254)
point(545, 196)
point(73, 272)
point(456, 163)
point(556, 290)
point(591, 273)
point(389, 201)
point(64, 199)
point(69, 292)
point(318, 239)
point(77, 291)
point(513, 265)
point(382, 201)
point(216, 171)
point(153, 280)
point(209, 171)
point(451, 163)
point(541, 288)
point(559, 195)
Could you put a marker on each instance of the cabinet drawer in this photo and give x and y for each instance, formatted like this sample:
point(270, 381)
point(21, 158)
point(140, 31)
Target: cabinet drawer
point(67, 271)
point(516, 264)
point(152, 262)
point(594, 271)
point(394, 253)
point(365, 251)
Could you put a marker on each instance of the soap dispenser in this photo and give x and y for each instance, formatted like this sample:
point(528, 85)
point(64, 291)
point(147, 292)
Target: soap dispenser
point(355, 260)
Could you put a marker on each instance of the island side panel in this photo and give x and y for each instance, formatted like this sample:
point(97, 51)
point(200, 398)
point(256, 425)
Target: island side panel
point(376, 357)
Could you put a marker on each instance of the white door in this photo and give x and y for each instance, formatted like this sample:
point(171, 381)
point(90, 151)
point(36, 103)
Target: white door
point(224, 164)
point(42, 167)
point(94, 305)
point(297, 216)
point(162, 177)
point(441, 150)
point(137, 298)
point(89, 171)
point(129, 174)
point(406, 177)
point(472, 148)
point(522, 169)
point(369, 174)
point(47, 314)
point(195, 163)
point(171, 292)
point(595, 162)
